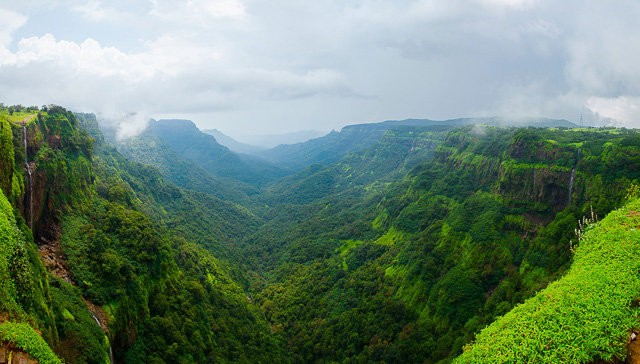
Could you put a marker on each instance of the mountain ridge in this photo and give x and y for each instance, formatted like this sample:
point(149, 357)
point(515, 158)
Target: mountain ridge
point(335, 145)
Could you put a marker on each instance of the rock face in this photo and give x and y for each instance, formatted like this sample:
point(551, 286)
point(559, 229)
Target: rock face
point(541, 184)
point(9, 354)
point(59, 158)
point(542, 173)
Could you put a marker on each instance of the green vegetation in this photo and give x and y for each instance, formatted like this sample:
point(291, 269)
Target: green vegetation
point(23, 292)
point(25, 338)
point(151, 150)
point(189, 142)
point(585, 315)
point(449, 248)
point(400, 251)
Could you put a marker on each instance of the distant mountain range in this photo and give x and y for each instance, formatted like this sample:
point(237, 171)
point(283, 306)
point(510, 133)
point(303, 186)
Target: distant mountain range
point(272, 140)
point(232, 144)
point(440, 242)
point(335, 145)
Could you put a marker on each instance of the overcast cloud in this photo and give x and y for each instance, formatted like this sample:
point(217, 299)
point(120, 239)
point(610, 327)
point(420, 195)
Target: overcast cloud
point(249, 66)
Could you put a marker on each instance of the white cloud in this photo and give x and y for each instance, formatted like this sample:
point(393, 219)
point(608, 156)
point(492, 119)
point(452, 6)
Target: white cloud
point(166, 56)
point(517, 4)
point(10, 22)
point(543, 27)
point(287, 62)
point(94, 11)
point(197, 12)
point(625, 111)
point(603, 50)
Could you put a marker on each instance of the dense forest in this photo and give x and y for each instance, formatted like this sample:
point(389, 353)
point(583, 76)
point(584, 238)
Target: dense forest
point(416, 241)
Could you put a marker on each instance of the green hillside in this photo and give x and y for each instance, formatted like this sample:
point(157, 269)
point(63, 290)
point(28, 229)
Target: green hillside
point(151, 150)
point(414, 272)
point(336, 145)
point(435, 243)
point(188, 141)
point(362, 172)
point(587, 314)
point(231, 143)
point(128, 249)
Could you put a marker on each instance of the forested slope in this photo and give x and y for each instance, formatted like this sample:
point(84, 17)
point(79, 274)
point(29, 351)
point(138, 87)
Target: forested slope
point(336, 145)
point(149, 149)
point(129, 251)
point(414, 272)
point(188, 141)
point(587, 315)
point(400, 252)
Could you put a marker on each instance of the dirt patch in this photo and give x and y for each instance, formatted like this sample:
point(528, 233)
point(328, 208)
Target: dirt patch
point(633, 349)
point(98, 314)
point(633, 352)
point(26, 120)
point(50, 252)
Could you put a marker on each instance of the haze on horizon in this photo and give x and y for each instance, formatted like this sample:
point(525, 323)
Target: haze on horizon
point(255, 67)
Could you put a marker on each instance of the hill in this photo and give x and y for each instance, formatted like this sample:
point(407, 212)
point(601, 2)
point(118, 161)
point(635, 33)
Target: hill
point(130, 257)
point(188, 141)
point(399, 252)
point(232, 144)
point(335, 145)
point(414, 271)
point(361, 172)
point(587, 315)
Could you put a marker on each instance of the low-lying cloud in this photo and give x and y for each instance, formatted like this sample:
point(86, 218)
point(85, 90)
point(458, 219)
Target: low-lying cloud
point(240, 65)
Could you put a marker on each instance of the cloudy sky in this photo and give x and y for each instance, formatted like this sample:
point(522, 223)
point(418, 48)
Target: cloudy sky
point(255, 66)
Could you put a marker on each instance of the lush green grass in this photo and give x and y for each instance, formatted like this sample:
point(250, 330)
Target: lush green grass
point(586, 314)
point(17, 117)
point(27, 339)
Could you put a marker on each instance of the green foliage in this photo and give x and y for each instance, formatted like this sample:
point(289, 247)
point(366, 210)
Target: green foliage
point(399, 252)
point(22, 290)
point(26, 338)
point(189, 142)
point(81, 339)
point(584, 315)
point(6, 156)
point(361, 172)
point(150, 149)
point(633, 192)
point(466, 244)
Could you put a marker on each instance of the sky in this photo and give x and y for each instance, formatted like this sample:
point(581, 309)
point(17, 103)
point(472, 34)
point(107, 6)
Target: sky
point(267, 67)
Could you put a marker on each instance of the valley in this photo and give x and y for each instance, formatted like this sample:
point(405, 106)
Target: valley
point(409, 241)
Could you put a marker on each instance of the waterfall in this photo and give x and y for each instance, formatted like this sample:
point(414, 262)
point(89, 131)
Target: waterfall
point(573, 174)
point(29, 176)
point(110, 350)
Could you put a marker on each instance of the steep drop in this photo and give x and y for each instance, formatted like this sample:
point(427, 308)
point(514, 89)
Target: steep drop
point(29, 175)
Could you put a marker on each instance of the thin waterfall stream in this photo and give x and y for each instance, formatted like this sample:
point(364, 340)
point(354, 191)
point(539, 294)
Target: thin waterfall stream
point(29, 176)
point(573, 175)
point(110, 350)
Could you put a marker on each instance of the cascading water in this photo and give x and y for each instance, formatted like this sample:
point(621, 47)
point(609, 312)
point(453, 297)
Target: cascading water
point(29, 176)
point(573, 175)
point(110, 350)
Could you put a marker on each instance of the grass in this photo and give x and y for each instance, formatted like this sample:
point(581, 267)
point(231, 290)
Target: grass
point(17, 117)
point(585, 315)
point(27, 339)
